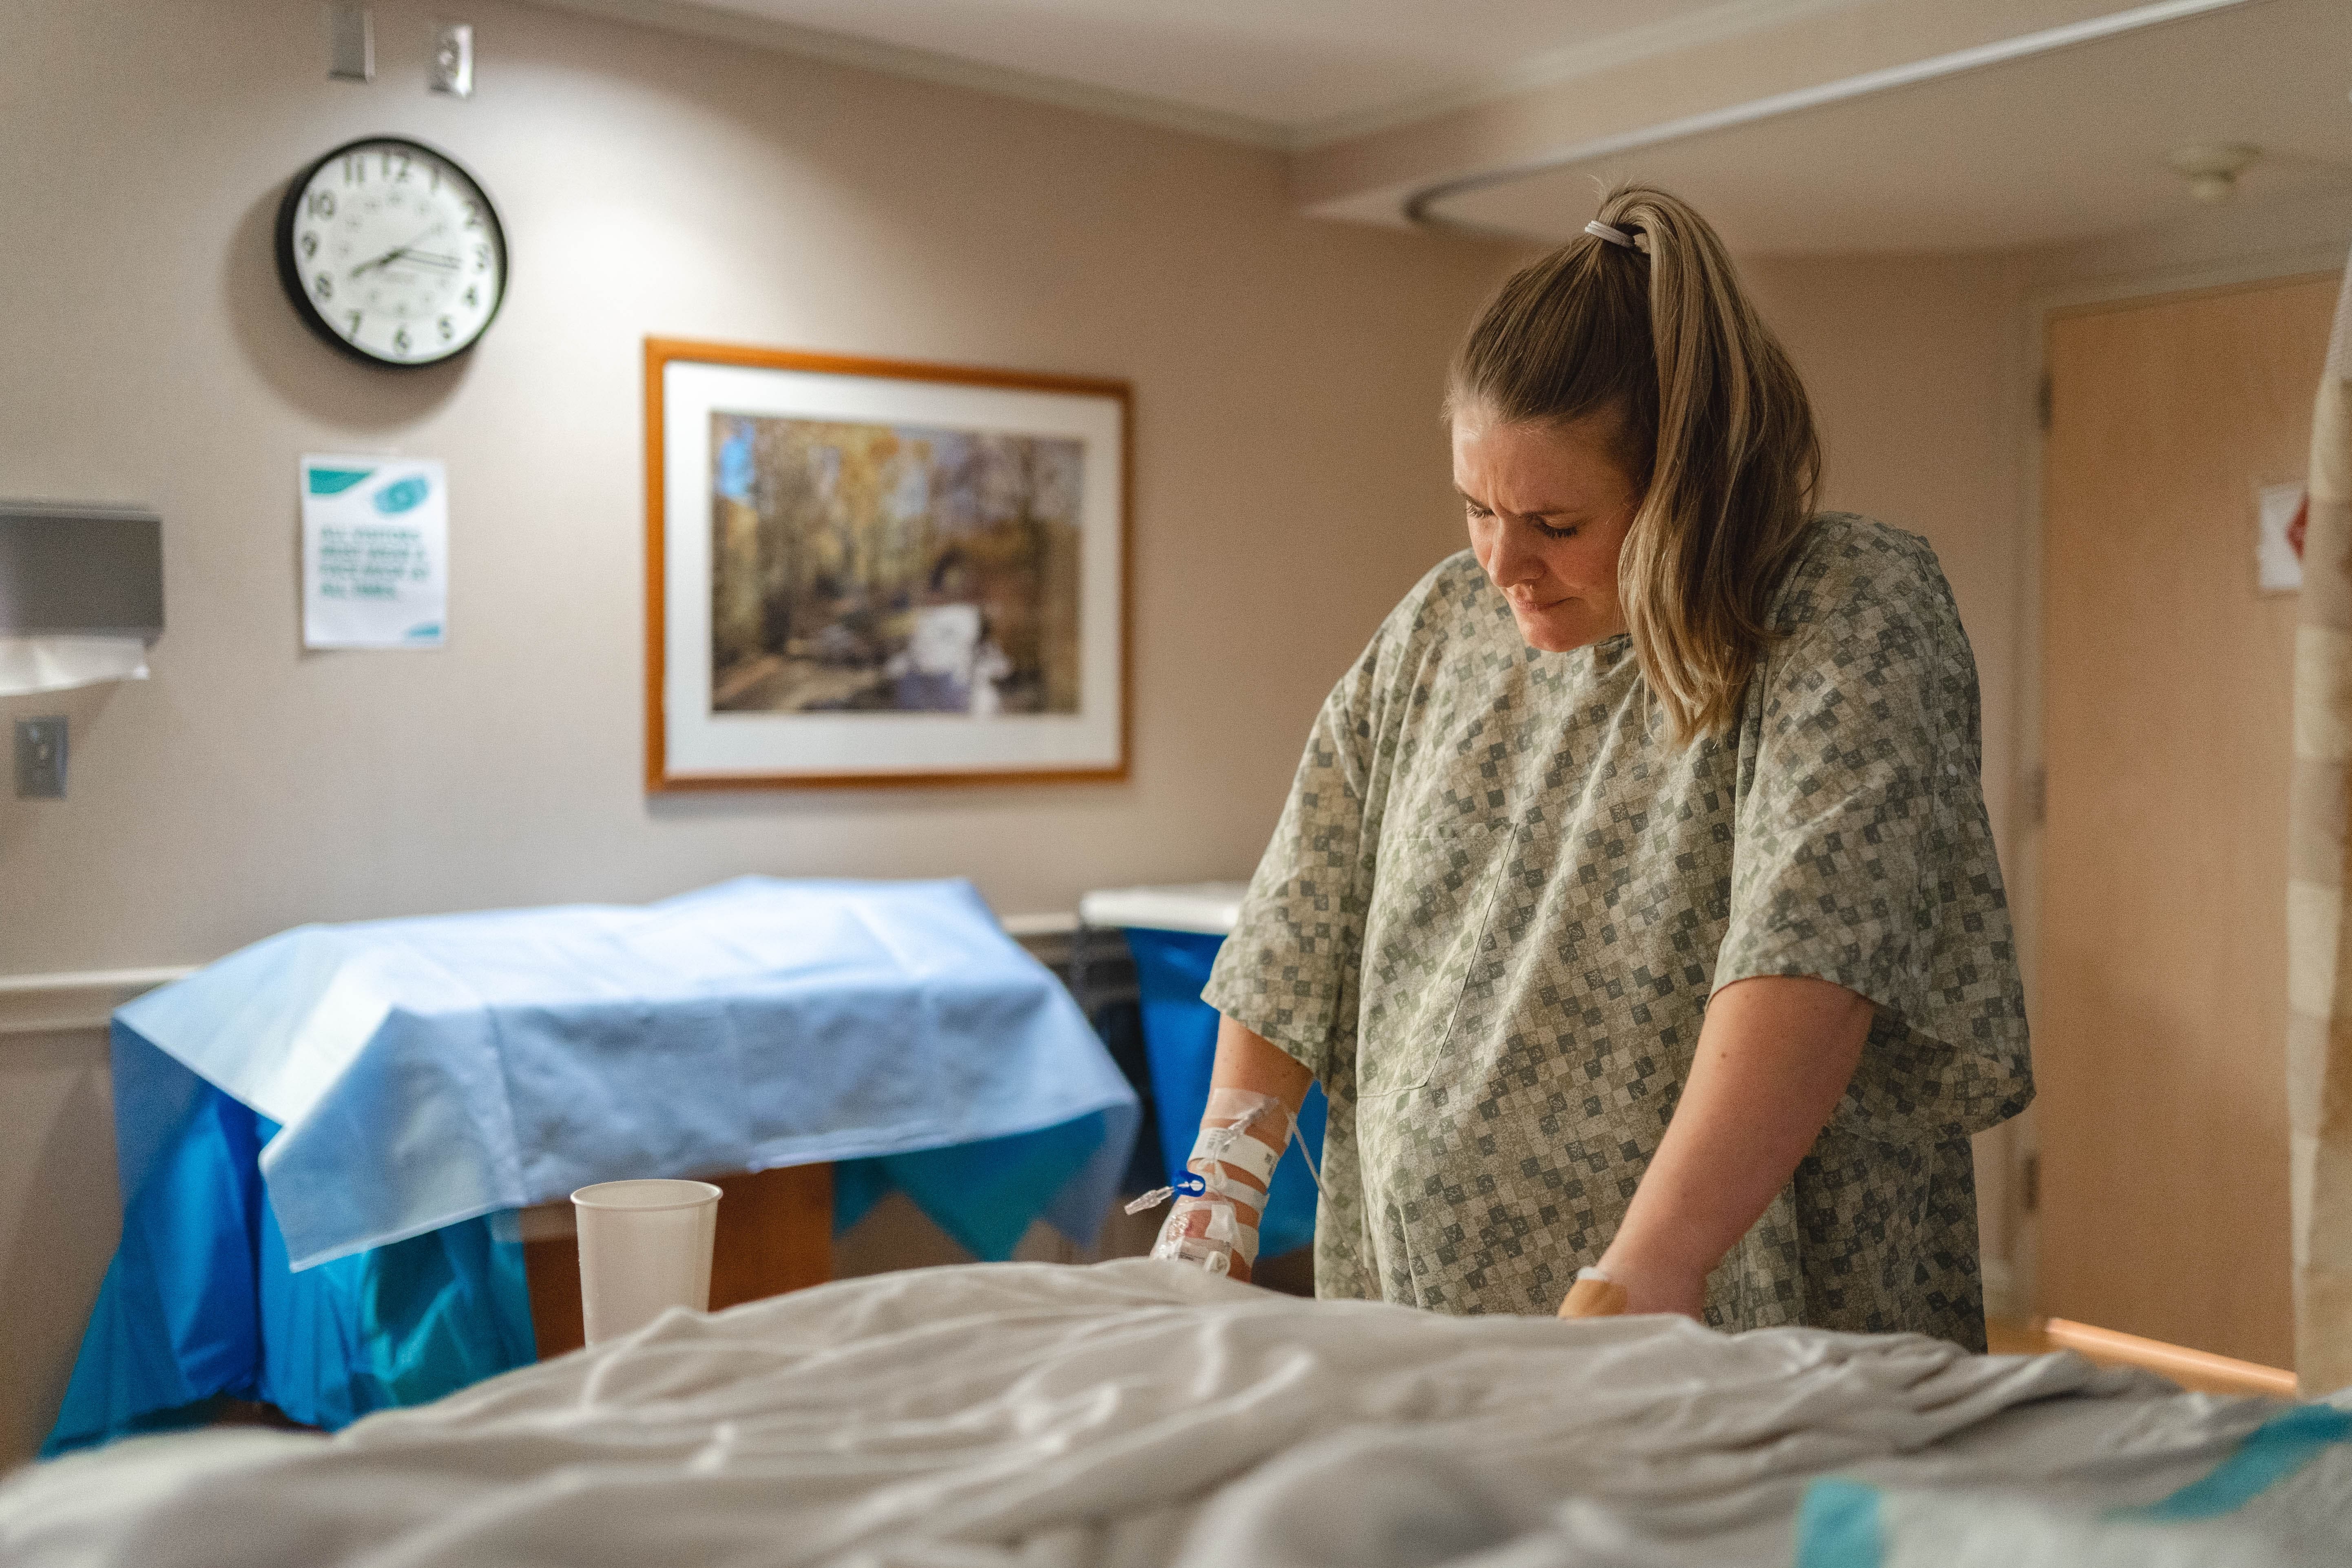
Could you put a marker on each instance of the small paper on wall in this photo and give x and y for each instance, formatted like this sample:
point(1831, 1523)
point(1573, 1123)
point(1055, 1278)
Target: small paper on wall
point(375, 553)
point(2278, 538)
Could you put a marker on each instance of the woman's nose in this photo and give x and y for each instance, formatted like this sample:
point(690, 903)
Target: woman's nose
point(1511, 562)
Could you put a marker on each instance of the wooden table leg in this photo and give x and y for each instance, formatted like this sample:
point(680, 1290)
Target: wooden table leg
point(552, 1265)
point(775, 1233)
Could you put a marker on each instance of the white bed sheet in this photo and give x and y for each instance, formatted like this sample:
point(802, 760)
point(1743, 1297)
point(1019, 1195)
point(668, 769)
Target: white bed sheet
point(1131, 1414)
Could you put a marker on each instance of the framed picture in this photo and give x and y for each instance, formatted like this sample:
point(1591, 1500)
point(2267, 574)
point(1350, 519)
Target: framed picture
point(868, 571)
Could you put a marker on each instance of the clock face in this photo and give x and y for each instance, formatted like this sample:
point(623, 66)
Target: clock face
point(392, 253)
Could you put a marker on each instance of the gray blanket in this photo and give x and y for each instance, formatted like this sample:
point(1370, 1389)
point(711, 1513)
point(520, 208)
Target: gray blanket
point(1140, 1413)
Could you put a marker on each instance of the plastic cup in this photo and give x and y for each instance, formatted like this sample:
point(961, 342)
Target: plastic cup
point(645, 1247)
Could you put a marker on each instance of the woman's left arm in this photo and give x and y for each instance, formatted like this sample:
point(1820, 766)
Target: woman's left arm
point(1774, 1056)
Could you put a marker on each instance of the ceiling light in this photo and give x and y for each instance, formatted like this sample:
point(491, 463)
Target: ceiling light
point(2211, 168)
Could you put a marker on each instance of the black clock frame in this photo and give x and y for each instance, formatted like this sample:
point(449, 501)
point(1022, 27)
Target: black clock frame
point(289, 276)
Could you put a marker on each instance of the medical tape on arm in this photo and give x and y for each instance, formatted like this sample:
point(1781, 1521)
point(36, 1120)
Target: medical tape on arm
point(1206, 1187)
point(1231, 1146)
point(1224, 1140)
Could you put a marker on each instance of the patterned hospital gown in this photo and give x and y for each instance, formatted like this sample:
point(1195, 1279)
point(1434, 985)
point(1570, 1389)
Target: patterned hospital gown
point(1499, 895)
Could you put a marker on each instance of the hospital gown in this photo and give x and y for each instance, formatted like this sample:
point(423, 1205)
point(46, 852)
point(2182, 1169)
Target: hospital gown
point(1499, 895)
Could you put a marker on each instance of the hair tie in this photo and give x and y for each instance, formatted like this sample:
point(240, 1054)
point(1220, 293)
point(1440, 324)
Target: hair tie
point(1613, 236)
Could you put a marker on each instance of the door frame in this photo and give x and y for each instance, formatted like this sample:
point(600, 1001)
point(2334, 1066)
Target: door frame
point(2009, 1291)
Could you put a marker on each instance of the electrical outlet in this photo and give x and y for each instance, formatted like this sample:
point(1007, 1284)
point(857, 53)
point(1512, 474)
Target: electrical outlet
point(40, 759)
point(452, 60)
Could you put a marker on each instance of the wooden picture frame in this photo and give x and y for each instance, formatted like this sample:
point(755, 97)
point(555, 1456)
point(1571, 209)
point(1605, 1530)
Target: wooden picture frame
point(866, 572)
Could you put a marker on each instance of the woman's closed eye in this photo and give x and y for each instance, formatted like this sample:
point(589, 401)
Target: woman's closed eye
point(1480, 514)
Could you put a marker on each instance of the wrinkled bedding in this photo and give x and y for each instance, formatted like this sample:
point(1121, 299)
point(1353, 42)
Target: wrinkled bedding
point(1142, 1414)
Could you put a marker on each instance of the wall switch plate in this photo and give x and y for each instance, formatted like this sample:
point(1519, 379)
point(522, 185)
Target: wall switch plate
point(351, 41)
point(40, 759)
point(453, 59)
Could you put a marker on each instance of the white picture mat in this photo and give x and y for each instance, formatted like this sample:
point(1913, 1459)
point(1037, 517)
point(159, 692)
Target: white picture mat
point(700, 741)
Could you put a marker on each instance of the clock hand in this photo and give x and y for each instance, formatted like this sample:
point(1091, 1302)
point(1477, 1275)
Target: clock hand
point(394, 254)
point(386, 260)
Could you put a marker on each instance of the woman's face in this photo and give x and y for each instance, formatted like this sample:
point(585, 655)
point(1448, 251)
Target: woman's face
point(1548, 508)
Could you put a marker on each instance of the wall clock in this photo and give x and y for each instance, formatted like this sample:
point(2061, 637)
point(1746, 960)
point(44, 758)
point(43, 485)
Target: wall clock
point(391, 252)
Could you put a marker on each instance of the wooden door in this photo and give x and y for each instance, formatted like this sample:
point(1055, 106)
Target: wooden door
point(2160, 1022)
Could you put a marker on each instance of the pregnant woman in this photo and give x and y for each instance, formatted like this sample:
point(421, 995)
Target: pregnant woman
point(1635, 902)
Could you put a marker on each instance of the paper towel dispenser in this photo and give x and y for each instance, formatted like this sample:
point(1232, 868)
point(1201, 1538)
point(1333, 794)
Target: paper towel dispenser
point(80, 572)
point(81, 594)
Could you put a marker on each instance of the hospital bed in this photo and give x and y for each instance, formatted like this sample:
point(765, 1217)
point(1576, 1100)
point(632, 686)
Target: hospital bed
point(1139, 1413)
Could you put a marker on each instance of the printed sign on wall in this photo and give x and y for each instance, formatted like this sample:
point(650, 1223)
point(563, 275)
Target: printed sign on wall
point(2280, 512)
point(375, 553)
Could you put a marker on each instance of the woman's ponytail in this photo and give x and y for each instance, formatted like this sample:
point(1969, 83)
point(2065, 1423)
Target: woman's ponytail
point(1712, 416)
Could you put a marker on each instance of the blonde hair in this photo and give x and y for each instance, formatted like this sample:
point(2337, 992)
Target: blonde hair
point(1713, 425)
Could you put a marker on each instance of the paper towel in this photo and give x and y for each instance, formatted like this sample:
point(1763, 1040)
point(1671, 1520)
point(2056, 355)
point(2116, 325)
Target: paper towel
point(60, 663)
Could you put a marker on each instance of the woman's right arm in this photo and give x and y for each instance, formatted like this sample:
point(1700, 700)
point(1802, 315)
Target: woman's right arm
point(1290, 962)
point(1248, 1060)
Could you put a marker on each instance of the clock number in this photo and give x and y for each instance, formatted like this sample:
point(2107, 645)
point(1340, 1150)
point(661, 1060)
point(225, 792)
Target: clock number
point(400, 340)
point(473, 295)
point(402, 176)
point(323, 203)
point(473, 216)
point(309, 246)
point(448, 332)
point(356, 324)
point(481, 258)
point(355, 171)
point(326, 286)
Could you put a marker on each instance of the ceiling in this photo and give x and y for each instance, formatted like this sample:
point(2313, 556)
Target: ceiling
point(1294, 72)
point(2056, 147)
point(2017, 143)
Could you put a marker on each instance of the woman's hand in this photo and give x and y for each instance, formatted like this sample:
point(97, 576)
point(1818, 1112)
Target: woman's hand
point(1774, 1057)
point(1189, 1219)
point(1655, 1290)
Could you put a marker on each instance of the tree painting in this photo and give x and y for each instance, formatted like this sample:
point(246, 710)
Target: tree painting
point(891, 569)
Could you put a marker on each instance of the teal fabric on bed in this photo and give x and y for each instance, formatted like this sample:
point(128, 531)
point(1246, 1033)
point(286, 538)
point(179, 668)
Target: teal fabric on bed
point(200, 1303)
point(2240, 1511)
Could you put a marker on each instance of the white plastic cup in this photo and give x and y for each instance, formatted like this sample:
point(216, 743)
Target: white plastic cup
point(645, 1247)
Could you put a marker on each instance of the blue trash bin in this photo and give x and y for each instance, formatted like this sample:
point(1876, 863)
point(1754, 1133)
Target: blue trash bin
point(1174, 934)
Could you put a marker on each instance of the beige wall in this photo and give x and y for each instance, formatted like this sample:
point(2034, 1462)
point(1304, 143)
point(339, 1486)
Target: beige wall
point(58, 1217)
point(1912, 362)
point(1290, 484)
point(1290, 472)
